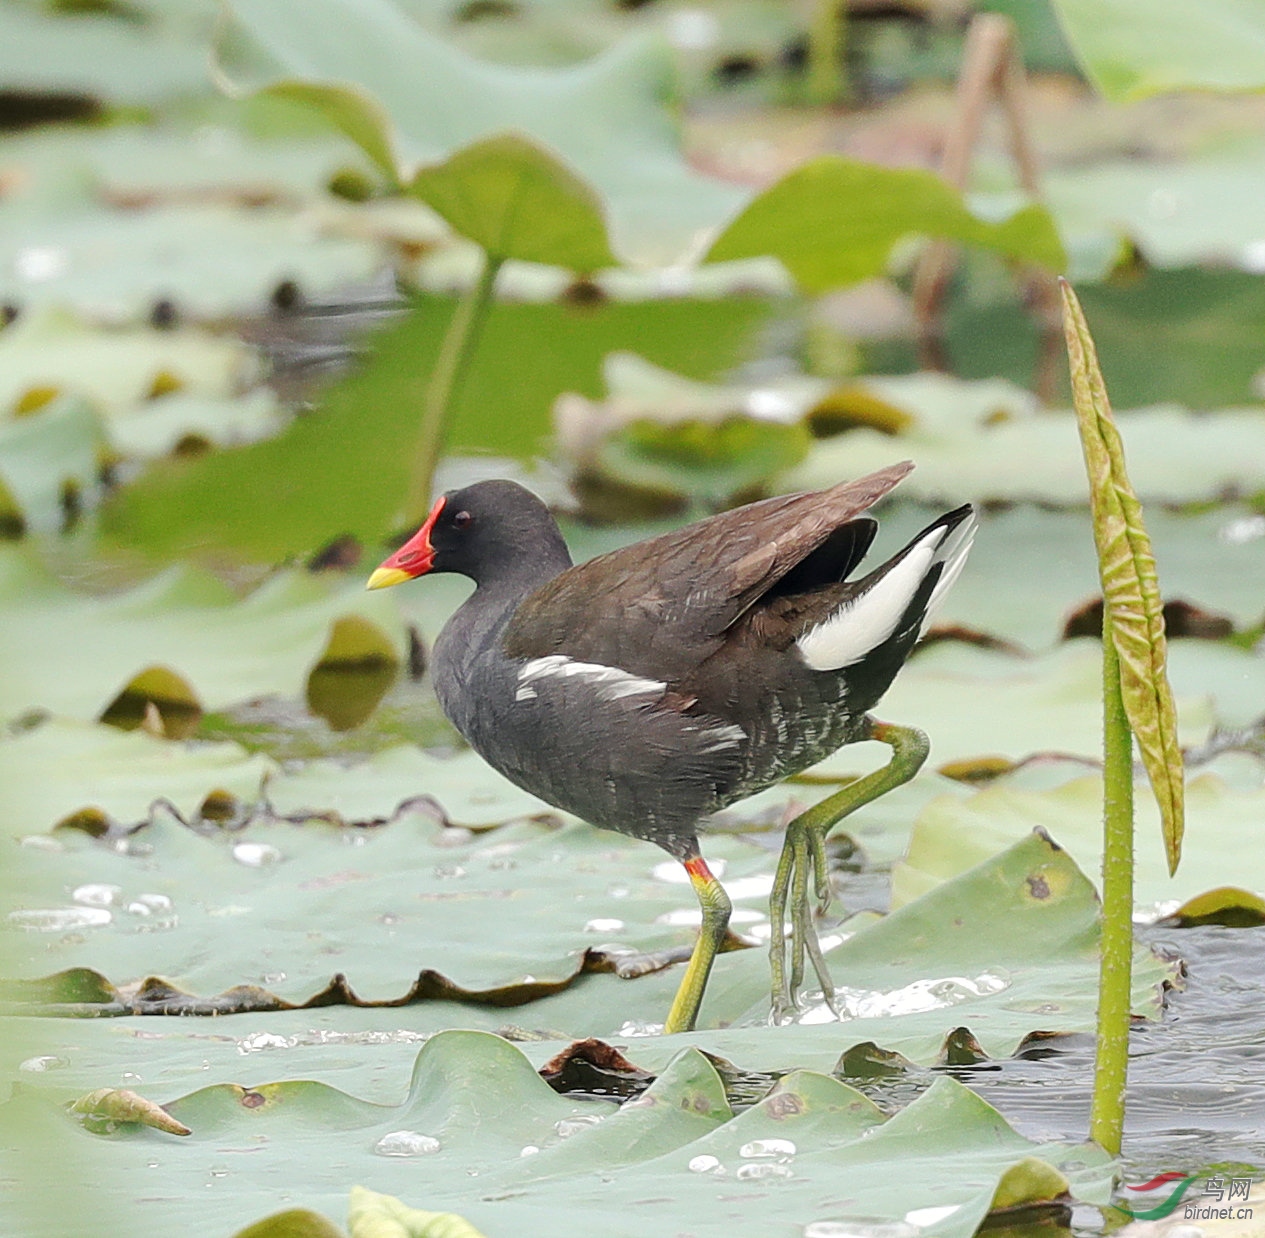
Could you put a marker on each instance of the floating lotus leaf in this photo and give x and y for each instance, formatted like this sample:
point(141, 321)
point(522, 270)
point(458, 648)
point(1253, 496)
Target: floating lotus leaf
point(119, 61)
point(177, 422)
point(410, 100)
point(1214, 559)
point(976, 702)
point(61, 768)
point(480, 1135)
point(465, 790)
point(951, 834)
point(637, 390)
point(142, 166)
point(1178, 212)
point(347, 467)
point(1011, 963)
point(424, 897)
point(117, 369)
point(978, 440)
point(46, 458)
point(1221, 51)
point(212, 261)
point(218, 650)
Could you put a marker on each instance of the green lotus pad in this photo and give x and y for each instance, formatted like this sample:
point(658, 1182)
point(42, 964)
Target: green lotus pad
point(117, 369)
point(44, 460)
point(393, 87)
point(984, 440)
point(1011, 943)
point(1222, 51)
point(1223, 836)
point(977, 703)
point(1008, 948)
point(292, 906)
point(1179, 212)
point(61, 768)
point(1213, 559)
point(390, 86)
point(212, 260)
point(213, 649)
point(480, 1135)
point(125, 62)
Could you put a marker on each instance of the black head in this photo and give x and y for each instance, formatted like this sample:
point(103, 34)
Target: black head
point(488, 530)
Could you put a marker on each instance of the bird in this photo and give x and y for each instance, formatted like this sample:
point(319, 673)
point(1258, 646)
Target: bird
point(648, 688)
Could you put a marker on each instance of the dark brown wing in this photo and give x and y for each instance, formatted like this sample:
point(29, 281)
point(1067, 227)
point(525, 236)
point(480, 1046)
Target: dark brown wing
point(661, 607)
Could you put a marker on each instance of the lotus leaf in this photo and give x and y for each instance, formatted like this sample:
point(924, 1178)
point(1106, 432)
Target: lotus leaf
point(344, 471)
point(976, 702)
point(834, 221)
point(409, 100)
point(951, 834)
point(984, 948)
point(215, 650)
point(1214, 559)
point(47, 459)
point(89, 54)
point(1183, 212)
point(117, 369)
point(60, 768)
point(212, 260)
point(482, 1136)
point(1221, 51)
point(992, 450)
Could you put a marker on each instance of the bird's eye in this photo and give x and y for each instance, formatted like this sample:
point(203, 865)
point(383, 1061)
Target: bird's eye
point(462, 520)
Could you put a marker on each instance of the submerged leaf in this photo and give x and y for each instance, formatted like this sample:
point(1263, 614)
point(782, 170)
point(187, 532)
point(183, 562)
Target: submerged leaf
point(1129, 582)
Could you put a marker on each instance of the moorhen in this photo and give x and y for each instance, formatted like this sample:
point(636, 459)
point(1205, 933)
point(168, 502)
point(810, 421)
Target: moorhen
point(650, 687)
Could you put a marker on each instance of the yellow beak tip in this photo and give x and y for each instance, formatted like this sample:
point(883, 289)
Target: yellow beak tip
point(385, 577)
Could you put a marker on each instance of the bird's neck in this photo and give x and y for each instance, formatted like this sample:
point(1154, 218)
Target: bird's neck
point(501, 586)
point(520, 569)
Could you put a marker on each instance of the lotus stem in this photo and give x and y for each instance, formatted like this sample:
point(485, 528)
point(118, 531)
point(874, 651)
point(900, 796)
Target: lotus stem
point(451, 367)
point(1106, 1122)
point(827, 84)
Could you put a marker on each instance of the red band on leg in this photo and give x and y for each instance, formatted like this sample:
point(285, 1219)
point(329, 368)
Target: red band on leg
point(697, 868)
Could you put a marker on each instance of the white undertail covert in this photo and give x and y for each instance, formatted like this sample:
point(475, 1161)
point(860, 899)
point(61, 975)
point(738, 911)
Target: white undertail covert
point(865, 622)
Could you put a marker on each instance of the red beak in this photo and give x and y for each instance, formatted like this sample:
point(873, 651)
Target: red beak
point(415, 558)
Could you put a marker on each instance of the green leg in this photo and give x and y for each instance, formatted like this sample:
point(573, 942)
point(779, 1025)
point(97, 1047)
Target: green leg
point(803, 860)
point(711, 935)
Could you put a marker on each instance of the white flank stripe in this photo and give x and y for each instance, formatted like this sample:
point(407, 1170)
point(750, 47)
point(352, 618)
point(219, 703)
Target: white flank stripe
point(610, 683)
point(866, 622)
